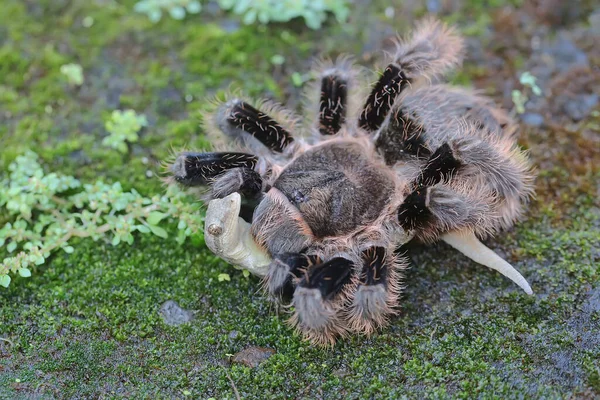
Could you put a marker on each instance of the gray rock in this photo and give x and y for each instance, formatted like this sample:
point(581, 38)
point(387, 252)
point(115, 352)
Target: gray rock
point(532, 119)
point(594, 21)
point(252, 356)
point(581, 106)
point(566, 54)
point(174, 315)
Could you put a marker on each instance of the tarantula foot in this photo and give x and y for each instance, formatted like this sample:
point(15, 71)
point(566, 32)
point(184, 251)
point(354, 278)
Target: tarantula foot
point(318, 320)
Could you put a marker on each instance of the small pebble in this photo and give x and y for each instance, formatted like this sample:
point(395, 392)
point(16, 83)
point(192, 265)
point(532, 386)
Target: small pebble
point(566, 54)
point(174, 315)
point(581, 106)
point(532, 119)
point(252, 356)
point(594, 21)
point(433, 6)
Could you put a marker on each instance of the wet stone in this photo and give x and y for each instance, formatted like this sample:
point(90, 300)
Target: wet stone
point(594, 21)
point(174, 315)
point(252, 356)
point(532, 119)
point(581, 106)
point(566, 54)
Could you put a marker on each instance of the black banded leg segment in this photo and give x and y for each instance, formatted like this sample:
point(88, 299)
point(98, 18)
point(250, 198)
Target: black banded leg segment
point(245, 181)
point(265, 129)
point(382, 98)
point(403, 137)
point(374, 271)
point(200, 169)
point(284, 272)
point(441, 166)
point(329, 278)
point(414, 213)
point(319, 298)
point(433, 210)
point(377, 292)
point(333, 104)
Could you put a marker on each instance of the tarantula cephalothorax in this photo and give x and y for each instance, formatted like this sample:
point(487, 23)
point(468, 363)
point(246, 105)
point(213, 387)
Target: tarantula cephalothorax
point(328, 210)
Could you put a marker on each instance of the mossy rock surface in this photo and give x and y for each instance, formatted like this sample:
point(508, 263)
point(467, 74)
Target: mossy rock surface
point(90, 324)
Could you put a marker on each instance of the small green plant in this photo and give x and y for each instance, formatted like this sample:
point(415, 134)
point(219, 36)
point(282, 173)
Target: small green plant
point(177, 9)
point(46, 211)
point(520, 98)
point(123, 126)
point(314, 12)
point(74, 73)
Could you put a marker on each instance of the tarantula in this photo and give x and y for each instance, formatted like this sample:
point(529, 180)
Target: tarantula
point(416, 158)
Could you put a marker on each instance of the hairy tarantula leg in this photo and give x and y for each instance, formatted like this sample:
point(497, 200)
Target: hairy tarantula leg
point(333, 103)
point(244, 180)
point(434, 209)
point(382, 97)
point(432, 50)
point(468, 244)
point(500, 162)
point(199, 169)
point(229, 237)
point(414, 211)
point(284, 270)
point(442, 164)
point(377, 293)
point(237, 117)
point(318, 299)
point(402, 136)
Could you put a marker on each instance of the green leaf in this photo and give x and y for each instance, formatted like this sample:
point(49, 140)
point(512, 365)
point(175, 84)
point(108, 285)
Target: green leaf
point(142, 228)
point(297, 79)
point(181, 236)
point(177, 13)
point(4, 280)
point(68, 249)
point(158, 231)
point(155, 217)
point(11, 247)
point(224, 277)
point(194, 7)
point(128, 238)
point(25, 272)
